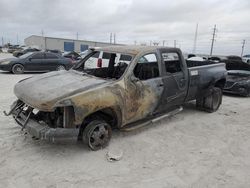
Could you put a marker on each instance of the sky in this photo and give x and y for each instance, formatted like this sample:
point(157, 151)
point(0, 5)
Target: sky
point(133, 21)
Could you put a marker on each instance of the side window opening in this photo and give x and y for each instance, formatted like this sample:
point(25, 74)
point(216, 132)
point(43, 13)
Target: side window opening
point(147, 67)
point(51, 56)
point(38, 56)
point(172, 62)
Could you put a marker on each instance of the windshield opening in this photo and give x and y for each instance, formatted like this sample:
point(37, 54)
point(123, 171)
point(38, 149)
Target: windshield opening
point(107, 65)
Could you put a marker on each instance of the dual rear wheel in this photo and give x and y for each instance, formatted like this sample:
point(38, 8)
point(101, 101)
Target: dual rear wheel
point(212, 102)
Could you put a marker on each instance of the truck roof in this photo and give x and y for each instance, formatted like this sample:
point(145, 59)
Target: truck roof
point(130, 49)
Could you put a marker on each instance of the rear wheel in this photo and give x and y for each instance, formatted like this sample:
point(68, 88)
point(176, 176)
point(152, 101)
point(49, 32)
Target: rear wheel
point(212, 102)
point(60, 67)
point(17, 69)
point(97, 134)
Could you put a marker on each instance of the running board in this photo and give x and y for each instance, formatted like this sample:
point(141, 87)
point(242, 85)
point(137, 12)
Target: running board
point(134, 126)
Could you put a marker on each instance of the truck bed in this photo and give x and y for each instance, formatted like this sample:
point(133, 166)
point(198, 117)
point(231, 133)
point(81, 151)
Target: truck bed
point(201, 76)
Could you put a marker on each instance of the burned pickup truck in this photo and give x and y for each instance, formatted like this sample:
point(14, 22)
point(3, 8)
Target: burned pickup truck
point(119, 87)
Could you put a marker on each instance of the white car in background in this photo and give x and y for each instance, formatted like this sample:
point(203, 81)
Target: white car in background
point(101, 59)
point(246, 58)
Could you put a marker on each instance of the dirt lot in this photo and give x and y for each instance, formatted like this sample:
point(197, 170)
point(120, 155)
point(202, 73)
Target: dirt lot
point(191, 149)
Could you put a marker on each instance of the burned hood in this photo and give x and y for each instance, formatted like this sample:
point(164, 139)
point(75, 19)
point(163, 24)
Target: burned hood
point(45, 90)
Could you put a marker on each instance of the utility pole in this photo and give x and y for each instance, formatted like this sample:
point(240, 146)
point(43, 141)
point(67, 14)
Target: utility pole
point(243, 46)
point(76, 35)
point(110, 38)
point(163, 43)
point(175, 43)
point(17, 41)
point(114, 38)
point(213, 39)
point(2, 41)
point(195, 38)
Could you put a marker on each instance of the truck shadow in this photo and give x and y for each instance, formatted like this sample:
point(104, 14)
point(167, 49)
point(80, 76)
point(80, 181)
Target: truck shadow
point(78, 147)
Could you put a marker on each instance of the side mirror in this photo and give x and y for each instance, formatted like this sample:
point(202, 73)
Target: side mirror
point(30, 58)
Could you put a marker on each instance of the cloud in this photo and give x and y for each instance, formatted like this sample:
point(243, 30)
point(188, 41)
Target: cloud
point(133, 20)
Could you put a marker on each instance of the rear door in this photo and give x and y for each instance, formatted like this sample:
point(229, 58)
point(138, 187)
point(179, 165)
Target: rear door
point(51, 61)
point(175, 79)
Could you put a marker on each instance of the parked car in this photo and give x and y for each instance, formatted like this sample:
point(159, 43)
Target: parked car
point(72, 55)
point(86, 103)
point(238, 82)
point(36, 61)
point(246, 58)
point(215, 59)
point(238, 78)
point(54, 51)
point(18, 53)
point(13, 48)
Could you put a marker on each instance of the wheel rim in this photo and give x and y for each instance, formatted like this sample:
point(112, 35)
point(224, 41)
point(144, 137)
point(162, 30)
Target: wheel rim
point(18, 69)
point(99, 137)
point(60, 68)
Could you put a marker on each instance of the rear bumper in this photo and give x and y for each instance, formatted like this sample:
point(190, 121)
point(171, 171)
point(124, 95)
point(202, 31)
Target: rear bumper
point(40, 130)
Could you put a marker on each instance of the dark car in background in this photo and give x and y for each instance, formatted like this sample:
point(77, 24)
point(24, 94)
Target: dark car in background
point(36, 62)
point(18, 53)
point(238, 82)
point(54, 51)
point(238, 78)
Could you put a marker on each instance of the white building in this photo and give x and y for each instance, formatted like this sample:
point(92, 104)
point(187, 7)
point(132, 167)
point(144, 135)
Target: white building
point(62, 44)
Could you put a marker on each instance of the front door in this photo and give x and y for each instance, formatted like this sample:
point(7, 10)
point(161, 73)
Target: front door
point(144, 89)
point(175, 79)
point(35, 62)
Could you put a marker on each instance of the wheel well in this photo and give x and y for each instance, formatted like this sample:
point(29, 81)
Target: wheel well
point(220, 83)
point(107, 114)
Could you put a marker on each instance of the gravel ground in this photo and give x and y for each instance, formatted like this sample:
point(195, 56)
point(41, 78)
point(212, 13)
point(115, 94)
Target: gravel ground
point(191, 149)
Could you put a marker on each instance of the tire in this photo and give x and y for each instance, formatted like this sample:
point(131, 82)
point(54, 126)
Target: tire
point(97, 134)
point(60, 67)
point(17, 69)
point(212, 102)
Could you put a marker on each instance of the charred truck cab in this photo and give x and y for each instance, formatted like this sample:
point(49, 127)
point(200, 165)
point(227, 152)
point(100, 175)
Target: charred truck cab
point(124, 88)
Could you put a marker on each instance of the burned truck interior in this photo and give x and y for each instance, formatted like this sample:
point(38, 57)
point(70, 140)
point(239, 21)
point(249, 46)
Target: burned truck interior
point(105, 65)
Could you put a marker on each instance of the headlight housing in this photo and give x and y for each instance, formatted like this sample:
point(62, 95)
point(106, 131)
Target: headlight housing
point(5, 62)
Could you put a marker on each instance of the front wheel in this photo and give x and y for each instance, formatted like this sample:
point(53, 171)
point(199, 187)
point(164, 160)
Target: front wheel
point(97, 134)
point(17, 69)
point(212, 102)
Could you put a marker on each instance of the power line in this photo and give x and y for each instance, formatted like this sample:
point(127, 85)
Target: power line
point(213, 39)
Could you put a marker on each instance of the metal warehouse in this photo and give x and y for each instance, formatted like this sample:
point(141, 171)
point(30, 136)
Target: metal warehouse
point(62, 44)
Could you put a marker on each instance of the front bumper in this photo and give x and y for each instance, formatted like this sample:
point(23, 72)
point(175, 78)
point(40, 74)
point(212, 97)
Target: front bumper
point(22, 114)
point(5, 67)
point(237, 89)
